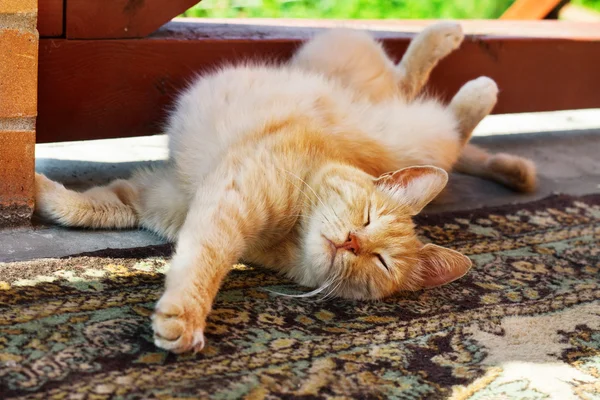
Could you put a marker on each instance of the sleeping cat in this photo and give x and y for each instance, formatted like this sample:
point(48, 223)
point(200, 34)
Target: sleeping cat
point(312, 168)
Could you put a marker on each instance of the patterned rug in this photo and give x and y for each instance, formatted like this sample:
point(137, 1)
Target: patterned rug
point(524, 323)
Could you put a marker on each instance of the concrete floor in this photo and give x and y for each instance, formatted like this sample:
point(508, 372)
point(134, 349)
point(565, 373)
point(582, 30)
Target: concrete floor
point(568, 162)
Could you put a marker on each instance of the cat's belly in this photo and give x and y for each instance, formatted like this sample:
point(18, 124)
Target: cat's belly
point(227, 107)
point(236, 103)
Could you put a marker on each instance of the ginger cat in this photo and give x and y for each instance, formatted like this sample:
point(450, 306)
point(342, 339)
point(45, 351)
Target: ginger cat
point(313, 168)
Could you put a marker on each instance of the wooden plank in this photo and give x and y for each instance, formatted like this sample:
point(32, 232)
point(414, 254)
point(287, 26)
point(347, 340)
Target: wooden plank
point(113, 19)
point(530, 9)
point(116, 88)
point(50, 18)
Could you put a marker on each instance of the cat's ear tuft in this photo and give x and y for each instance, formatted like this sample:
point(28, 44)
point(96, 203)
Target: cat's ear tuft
point(414, 186)
point(439, 266)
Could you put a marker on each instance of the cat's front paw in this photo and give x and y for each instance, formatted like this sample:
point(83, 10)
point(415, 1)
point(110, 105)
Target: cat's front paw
point(178, 327)
point(444, 37)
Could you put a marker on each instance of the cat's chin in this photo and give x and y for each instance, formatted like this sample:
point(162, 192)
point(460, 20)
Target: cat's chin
point(331, 248)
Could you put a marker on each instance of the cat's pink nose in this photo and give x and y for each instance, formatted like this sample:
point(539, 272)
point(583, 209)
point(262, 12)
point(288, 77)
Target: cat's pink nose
point(351, 244)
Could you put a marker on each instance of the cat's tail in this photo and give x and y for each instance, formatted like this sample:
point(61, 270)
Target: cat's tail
point(516, 172)
point(149, 199)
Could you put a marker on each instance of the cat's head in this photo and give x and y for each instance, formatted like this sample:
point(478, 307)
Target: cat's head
point(358, 238)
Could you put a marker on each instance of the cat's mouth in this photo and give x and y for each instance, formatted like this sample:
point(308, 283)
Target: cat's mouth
point(332, 249)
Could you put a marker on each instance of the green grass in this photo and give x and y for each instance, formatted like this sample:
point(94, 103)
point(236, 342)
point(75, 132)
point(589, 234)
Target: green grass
point(351, 9)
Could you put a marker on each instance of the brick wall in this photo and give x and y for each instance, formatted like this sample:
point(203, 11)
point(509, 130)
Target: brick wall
point(18, 108)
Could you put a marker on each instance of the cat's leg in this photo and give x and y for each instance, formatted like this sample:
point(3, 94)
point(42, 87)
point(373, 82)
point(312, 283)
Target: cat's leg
point(110, 206)
point(424, 53)
point(216, 232)
point(360, 62)
point(151, 198)
point(473, 102)
point(352, 56)
point(470, 105)
point(516, 172)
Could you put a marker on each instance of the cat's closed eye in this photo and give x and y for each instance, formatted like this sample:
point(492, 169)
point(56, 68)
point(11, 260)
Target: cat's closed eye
point(382, 261)
point(368, 217)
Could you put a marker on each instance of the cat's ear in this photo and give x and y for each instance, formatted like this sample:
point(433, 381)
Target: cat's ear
point(414, 186)
point(438, 266)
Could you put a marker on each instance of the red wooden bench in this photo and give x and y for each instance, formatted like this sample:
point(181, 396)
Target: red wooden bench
point(108, 68)
point(100, 80)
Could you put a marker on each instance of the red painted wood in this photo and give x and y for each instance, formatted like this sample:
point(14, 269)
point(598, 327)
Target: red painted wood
point(50, 18)
point(116, 88)
point(110, 19)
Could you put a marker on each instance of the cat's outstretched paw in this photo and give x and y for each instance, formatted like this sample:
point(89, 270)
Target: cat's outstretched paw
point(443, 38)
point(177, 328)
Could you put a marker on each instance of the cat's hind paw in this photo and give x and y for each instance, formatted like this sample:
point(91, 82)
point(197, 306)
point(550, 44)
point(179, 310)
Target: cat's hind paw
point(473, 102)
point(514, 171)
point(443, 38)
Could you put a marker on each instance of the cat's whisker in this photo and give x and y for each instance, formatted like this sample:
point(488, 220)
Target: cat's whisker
point(299, 188)
point(306, 195)
point(312, 293)
point(303, 295)
point(316, 217)
point(337, 279)
point(331, 293)
point(336, 223)
point(318, 211)
point(314, 192)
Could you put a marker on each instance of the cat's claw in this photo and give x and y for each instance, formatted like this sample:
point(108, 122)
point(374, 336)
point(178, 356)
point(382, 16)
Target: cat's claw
point(179, 346)
point(176, 329)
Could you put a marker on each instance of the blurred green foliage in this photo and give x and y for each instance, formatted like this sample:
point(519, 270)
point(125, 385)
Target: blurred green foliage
point(350, 9)
point(593, 4)
point(358, 9)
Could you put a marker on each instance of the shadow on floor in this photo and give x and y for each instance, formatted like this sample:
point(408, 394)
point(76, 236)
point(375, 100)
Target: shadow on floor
point(568, 162)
